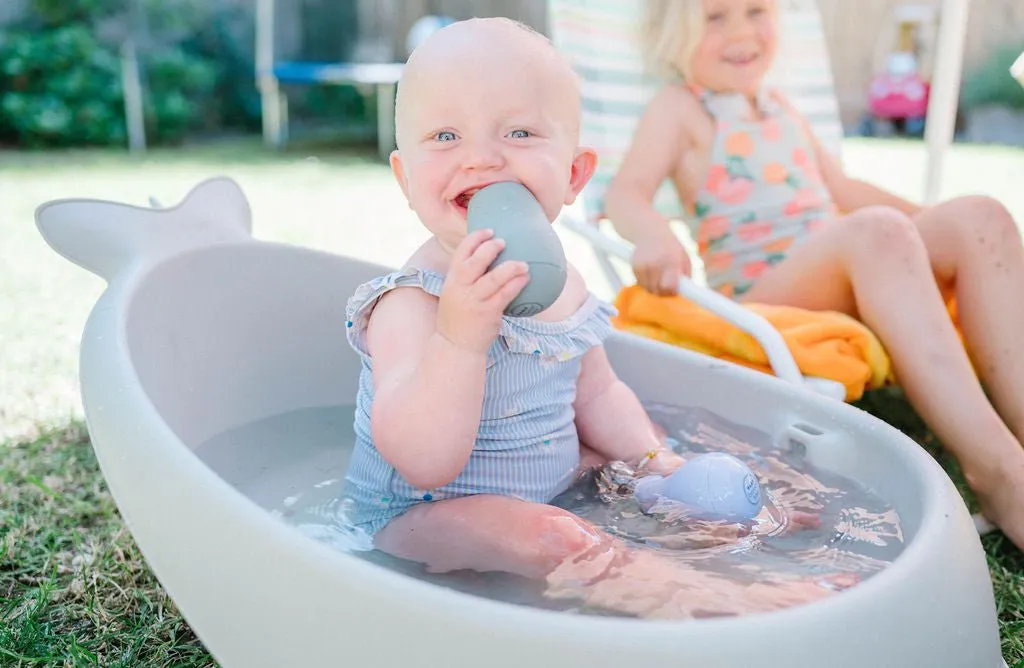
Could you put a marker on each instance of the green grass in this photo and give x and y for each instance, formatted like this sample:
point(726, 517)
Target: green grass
point(1005, 561)
point(74, 589)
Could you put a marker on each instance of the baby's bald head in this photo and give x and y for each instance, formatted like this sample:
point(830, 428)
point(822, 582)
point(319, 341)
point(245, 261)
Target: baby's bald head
point(484, 53)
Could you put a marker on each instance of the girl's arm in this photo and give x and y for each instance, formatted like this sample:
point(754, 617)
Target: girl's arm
point(848, 193)
point(611, 420)
point(851, 194)
point(653, 154)
point(657, 147)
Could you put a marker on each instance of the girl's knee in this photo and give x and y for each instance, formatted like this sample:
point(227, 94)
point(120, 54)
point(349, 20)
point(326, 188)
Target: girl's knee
point(882, 232)
point(982, 221)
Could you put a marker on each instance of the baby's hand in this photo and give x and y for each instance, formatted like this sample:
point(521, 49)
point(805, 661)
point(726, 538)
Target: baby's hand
point(662, 460)
point(471, 304)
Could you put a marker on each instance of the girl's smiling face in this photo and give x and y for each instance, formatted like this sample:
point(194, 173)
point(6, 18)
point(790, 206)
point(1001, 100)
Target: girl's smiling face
point(737, 45)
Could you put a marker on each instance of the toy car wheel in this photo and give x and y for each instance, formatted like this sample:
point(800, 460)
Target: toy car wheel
point(914, 126)
point(866, 128)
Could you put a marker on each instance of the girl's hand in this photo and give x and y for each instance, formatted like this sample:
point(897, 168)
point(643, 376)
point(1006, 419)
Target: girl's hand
point(659, 261)
point(472, 301)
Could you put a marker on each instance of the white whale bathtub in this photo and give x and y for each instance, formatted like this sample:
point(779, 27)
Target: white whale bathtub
point(203, 328)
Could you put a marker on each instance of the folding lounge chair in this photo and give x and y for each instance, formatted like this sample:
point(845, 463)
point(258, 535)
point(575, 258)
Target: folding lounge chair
point(601, 39)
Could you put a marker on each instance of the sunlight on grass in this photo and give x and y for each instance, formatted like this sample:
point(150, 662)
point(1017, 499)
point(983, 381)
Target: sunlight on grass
point(341, 201)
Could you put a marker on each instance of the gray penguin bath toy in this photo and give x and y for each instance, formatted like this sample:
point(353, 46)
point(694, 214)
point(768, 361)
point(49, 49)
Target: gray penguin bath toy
point(511, 210)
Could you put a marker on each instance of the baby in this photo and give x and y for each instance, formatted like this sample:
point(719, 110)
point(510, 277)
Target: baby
point(468, 422)
point(777, 221)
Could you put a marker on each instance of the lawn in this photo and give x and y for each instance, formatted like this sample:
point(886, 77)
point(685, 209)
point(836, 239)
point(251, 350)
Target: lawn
point(73, 587)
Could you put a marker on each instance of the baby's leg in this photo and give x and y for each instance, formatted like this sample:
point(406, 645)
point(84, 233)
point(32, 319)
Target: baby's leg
point(488, 533)
point(578, 560)
point(873, 265)
point(590, 458)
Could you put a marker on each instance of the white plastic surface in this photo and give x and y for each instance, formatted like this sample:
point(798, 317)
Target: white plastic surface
point(203, 328)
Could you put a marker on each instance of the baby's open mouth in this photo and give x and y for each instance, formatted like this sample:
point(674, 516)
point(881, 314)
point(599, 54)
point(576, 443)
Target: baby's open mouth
point(462, 199)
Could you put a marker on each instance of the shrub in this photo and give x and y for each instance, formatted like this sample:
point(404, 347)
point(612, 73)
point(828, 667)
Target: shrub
point(60, 72)
point(991, 83)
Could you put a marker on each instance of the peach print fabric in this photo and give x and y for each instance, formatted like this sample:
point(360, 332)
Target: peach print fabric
point(763, 195)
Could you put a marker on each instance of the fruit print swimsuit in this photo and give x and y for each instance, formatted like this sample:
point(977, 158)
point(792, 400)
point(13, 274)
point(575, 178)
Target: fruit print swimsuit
point(764, 193)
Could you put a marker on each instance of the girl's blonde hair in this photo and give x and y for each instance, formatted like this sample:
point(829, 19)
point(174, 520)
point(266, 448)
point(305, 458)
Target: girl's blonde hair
point(670, 33)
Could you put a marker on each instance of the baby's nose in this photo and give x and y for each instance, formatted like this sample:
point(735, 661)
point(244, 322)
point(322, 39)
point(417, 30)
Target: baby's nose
point(484, 154)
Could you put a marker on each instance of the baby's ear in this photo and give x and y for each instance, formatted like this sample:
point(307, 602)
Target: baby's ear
point(583, 166)
point(398, 169)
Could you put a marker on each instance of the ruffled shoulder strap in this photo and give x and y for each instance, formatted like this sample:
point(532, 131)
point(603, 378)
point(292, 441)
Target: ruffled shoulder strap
point(561, 340)
point(588, 327)
point(365, 298)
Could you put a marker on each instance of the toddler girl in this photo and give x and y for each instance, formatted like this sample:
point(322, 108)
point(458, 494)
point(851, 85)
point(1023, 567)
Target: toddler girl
point(778, 222)
point(468, 423)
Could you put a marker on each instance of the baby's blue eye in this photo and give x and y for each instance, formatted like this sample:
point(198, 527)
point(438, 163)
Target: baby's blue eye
point(445, 135)
point(519, 134)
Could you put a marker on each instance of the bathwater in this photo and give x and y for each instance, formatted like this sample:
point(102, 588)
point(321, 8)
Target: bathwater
point(815, 522)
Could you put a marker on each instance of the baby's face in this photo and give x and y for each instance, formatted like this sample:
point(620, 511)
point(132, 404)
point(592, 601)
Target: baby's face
point(492, 107)
point(738, 44)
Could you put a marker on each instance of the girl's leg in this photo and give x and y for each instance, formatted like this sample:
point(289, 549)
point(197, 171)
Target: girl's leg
point(578, 560)
point(977, 254)
point(874, 265)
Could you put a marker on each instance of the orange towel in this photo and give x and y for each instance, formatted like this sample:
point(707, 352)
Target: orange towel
point(825, 344)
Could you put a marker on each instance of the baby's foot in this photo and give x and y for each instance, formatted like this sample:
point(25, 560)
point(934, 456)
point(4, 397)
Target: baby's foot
point(799, 521)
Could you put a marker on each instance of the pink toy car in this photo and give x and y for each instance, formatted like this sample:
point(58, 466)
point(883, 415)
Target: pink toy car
point(900, 94)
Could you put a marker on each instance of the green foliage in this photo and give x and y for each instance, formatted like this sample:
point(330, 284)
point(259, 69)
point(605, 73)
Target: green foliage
point(55, 13)
point(60, 86)
point(177, 85)
point(991, 83)
point(61, 79)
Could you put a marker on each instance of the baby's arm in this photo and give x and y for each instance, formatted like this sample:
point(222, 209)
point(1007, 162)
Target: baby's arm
point(428, 392)
point(611, 420)
point(848, 193)
point(430, 361)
